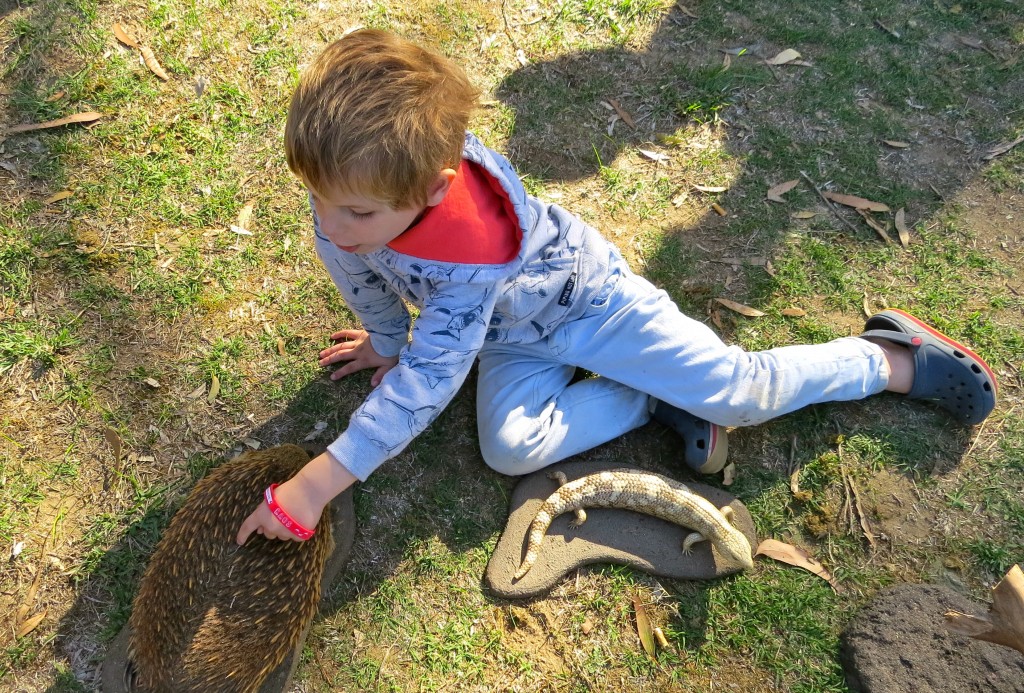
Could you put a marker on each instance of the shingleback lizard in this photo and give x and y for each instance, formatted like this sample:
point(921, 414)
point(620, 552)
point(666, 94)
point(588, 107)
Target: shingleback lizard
point(642, 492)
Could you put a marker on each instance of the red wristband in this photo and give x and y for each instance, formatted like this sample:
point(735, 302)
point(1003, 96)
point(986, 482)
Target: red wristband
point(283, 517)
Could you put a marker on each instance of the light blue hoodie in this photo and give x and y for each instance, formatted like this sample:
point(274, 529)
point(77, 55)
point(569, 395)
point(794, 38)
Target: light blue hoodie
point(561, 263)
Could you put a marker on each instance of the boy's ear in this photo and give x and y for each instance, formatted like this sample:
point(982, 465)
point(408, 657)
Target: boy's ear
point(440, 187)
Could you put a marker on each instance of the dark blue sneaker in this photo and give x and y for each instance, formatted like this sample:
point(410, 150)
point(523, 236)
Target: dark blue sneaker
point(707, 444)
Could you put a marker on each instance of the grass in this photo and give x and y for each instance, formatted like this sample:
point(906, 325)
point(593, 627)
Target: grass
point(137, 277)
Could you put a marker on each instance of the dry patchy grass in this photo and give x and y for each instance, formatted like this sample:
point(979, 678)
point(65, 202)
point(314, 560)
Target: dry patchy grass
point(137, 279)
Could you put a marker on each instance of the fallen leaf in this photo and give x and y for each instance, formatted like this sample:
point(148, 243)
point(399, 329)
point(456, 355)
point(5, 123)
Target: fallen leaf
point(280, 347)
point(152, 63)
point(786, 56)
point(775, 193)
point(240, 231)
point(794, 477)
point(318, 428)
point(152, 382)
point(659, 635)
point(654, 156)
point(1004, 623)
point(643, 627)
point(86, 117)
point(866, 306)
point(688, 12)
point(719, 209)
point(1001, 149)
point(124, 37)
point(214, 389)
point(114, 441)
point(587, 626)
point(794, 312)
point(57, 197)
point(56, 96)
point(198, 392)
point(252, 443)
point(901, 227)
point(18, 547)
point(626, 118)
point(897, 144)
point(873, 223)
point(711, 188)
point(30, 624)
point(865, 526)
point(740, 308)
point(883, 27)
point(487, 42)
point(804, 215)
point(855, 202)
point(729, 474)
point(795, 556)
point(244, 216)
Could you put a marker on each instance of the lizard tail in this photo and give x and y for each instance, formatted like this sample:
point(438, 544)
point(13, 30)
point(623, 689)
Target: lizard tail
point(538, 527)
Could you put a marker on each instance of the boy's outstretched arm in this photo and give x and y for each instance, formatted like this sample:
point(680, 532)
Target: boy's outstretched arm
point(303, 497)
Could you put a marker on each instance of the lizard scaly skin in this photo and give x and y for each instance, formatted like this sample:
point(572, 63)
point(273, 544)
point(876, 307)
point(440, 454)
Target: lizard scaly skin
point(642, 492)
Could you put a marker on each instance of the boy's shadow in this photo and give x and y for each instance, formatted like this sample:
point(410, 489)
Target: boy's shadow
point(564, 106)
point(562, 109)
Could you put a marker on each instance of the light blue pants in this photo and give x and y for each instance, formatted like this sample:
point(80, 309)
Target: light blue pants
point(642, 346)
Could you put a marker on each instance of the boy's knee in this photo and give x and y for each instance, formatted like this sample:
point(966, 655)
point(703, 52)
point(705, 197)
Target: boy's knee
point(506, 452)
point(501, 457)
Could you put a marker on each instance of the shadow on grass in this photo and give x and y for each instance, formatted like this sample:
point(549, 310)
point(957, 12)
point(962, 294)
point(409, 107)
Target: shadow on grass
point(833, 116)
point(445, 491)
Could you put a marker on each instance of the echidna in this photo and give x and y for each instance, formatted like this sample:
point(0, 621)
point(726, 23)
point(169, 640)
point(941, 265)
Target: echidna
point(214, 616)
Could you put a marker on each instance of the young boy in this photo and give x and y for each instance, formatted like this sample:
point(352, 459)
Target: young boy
point(409, 207)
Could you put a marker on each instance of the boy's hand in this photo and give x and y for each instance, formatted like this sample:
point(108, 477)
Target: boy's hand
point(303, 497)
point(354, 346)
point(263, 522)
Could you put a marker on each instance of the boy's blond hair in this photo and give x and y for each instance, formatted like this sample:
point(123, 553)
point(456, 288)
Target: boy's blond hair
point(379, 116)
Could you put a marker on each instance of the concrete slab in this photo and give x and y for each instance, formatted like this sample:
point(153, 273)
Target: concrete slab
point(608, 536)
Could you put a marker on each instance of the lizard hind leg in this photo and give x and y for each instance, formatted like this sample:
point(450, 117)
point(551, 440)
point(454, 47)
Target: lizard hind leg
point(581, 517)
point(691, 539)
point(728, 513)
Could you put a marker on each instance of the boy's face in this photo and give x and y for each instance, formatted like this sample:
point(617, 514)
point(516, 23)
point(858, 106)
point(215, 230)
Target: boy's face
point(359, 224)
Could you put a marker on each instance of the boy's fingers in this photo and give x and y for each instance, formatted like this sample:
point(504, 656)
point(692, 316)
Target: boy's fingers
point(344, 370)
point(378, 375)
point(346, 334)
point(247, 528)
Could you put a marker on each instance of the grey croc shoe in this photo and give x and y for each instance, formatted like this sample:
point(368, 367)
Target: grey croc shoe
point(707, 444)
point(945, 371)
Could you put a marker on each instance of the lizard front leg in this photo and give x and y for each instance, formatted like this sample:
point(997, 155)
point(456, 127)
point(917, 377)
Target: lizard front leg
point(691, 539)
